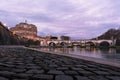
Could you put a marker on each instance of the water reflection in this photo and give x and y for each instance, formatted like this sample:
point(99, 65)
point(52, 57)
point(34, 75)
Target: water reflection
point(109, 53)
point(117, 50)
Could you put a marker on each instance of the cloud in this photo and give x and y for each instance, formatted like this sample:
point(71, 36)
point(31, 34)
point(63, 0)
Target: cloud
point(75, 18)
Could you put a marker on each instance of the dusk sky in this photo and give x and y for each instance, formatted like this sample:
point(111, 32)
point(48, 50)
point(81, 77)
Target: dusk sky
point(79, 19)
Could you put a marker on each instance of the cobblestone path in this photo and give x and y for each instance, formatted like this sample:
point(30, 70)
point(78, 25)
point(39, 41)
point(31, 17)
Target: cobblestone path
point(25, 64)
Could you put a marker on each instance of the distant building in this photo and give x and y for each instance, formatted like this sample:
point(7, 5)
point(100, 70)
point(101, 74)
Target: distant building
point(28, 32)
point(25, 30)
point(64, 37)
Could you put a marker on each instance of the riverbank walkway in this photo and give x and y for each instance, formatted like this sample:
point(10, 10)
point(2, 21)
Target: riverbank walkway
point(18, 63)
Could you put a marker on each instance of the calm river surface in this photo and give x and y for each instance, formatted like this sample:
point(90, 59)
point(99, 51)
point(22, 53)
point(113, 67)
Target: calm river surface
point(109, 53)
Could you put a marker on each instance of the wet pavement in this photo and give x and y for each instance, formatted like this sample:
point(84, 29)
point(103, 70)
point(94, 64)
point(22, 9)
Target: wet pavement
point(25, 64)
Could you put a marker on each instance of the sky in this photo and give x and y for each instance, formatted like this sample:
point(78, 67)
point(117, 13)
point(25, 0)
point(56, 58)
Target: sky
point(79, 19)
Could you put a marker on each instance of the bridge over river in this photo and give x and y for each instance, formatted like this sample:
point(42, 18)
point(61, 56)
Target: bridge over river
point(82, 43)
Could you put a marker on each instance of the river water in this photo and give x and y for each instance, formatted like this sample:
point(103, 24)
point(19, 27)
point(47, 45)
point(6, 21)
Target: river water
point(109, 53)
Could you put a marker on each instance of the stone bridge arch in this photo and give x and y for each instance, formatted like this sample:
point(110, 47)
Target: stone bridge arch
point(63, 44)
point(51, 44)
point(76, 43)
point(104, 44)
point(90, 44)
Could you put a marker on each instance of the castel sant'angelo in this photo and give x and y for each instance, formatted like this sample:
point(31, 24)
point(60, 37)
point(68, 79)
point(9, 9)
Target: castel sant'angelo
point(26, 30)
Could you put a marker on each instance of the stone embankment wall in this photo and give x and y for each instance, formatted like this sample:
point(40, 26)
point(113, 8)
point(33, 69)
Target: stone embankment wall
point(6, 37)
